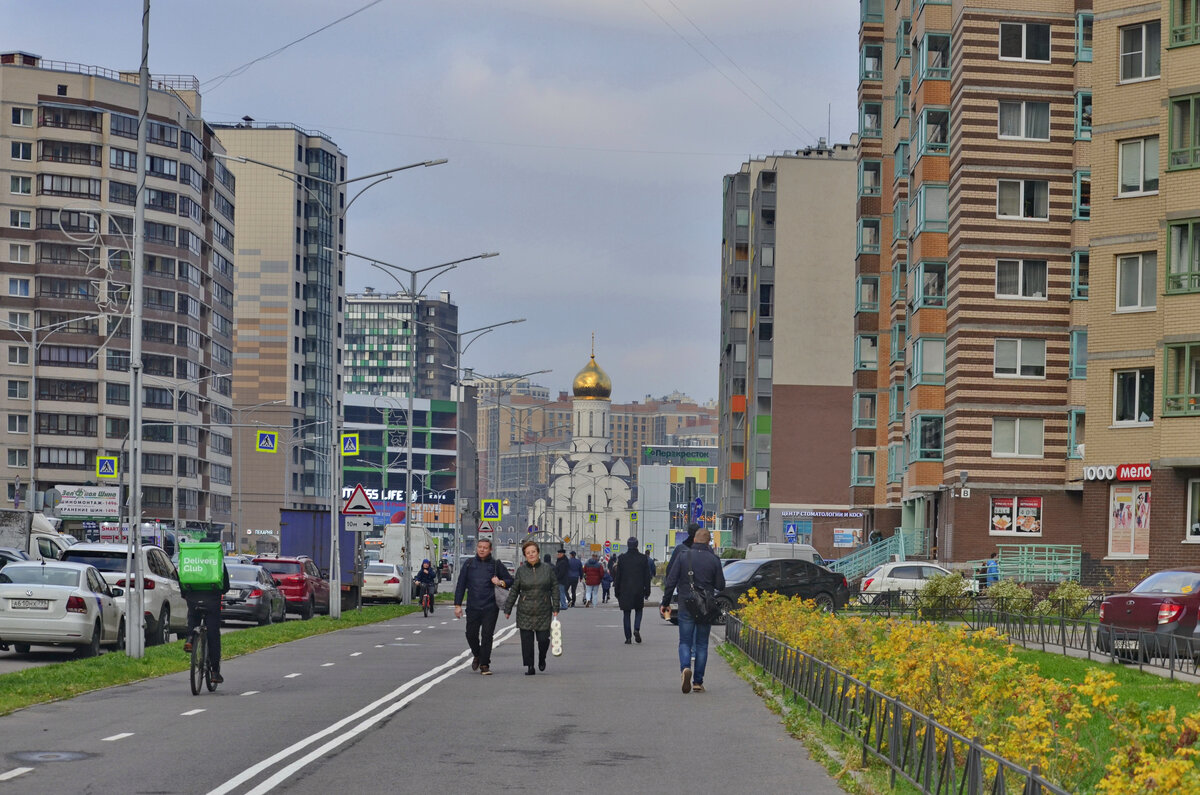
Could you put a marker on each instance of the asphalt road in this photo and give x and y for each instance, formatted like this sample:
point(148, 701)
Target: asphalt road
point(395, 707)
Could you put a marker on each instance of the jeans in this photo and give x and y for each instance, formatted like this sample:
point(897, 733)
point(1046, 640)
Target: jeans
point(637, 621)
point(693, 642)
point(208, 603)
point(481, 627)
point(562, 596)
point(543, 642)
point(589, 593)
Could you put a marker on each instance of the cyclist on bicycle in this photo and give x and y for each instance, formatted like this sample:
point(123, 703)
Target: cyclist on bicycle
point(426, 581)
point(207, 602)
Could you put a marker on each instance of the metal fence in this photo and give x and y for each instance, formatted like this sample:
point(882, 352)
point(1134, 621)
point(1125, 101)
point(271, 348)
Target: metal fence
point(932, 757)
point(912, 604)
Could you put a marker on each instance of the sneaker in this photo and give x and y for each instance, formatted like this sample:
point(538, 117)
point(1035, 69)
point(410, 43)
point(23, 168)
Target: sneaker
point(686, 676)
point(485, 670)
point(697, 688)
point(217, 678)
point(474, 663)
point(637, 635)
point(628, 641)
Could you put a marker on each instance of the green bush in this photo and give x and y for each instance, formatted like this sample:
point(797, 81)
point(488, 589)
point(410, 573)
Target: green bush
point(1011, 597)
point(1070, 598)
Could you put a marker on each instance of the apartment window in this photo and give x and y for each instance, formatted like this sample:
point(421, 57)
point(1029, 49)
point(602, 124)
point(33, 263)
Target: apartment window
point(1076, 424)
point(1080, 263)
point(1133, 397)
point(1017, 437)
point(870, 10)
point(869, 177)
point(22, 117)
point(19, 252)
point(899, 281)
point(1185, 29)
point(20, 219)
point(1184, 134)
point(1183, 256)
point(900, 161)
point(18, 457)
point(1083, 37)
point(1181, 390)
point(935, 57)
point(863, 473)
point(866, 352)
point(1192, 528)
point(1078, 362)
point(928, 361)
point(18, 354)
point(1024, 41)
point(1020, 358)
point(870, 64)
point(20, 186)
point(18, 423)
point(1136, 281)
point(929, 285)
point(122, 159)
point(895, 471)
point(896, 402)
point(19, 287)
point(864, 410)
point(1022, 198)
point(1138, 166)
point(19, 321)
point(742, 217)
point(1141, 51)
point(766, 257)
point(868, 235)
point(930, 209)
point(1028, 121)
point(1083, 116)
point(898, 336)
point(18, 390)
point(1082, 197)
point(925, 438)
point(22, 150)
point(1017, 278)
point(868, 294)
point(900, 100)
point(903, 38)
point(932, 132)
point(870, 120)
point(900, 221)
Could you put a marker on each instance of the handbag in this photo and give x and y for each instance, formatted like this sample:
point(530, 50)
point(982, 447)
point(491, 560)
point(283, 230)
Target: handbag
point(700, 604)
point(501, 591)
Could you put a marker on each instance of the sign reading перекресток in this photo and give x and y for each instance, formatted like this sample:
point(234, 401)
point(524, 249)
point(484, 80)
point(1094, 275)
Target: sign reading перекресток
point(680, 456)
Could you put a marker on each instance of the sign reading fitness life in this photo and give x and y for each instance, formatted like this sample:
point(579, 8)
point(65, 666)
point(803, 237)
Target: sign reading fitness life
point(490, 511)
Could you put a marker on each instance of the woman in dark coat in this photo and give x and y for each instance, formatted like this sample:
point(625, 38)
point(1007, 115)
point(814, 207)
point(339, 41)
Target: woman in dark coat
point(535, 593)
point(631, 581)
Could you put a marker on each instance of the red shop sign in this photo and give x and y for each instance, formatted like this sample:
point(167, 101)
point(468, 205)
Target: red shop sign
point(1133, 472)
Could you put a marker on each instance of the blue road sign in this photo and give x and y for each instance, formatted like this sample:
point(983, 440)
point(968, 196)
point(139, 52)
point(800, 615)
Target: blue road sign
point(490, 510)
point(698, 510)
point(106, 466)
point(790, 533)
point(267, 442)
point(349, 444)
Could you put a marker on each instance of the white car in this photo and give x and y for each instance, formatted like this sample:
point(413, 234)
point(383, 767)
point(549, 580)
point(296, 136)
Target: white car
point(903, 578)
point(382, 581)
point(165, 608)
point(59, 604)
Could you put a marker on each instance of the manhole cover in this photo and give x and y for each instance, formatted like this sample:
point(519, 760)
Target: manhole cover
point(49, 756)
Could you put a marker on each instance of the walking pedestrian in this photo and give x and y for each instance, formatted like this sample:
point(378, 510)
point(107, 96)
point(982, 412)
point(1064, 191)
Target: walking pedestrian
point(477, 579)
point(593, 575)
point(631, 579)
point(606, 583)
point(562, 571)
point(697, 566)
point(533, 593)
point(575, 572)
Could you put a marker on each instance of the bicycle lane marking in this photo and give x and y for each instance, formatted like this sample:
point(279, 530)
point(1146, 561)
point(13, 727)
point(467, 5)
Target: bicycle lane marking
point(439, 671)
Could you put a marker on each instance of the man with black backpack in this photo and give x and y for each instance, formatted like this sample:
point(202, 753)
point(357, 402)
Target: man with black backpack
point(478, 578)
point(696, 575)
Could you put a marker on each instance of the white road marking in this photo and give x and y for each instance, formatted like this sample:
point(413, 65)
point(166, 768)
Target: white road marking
point(359, 653)
point(403, 638)
point(250, 693)
point(327, 665)
point(16, 771)
point(191, 712)
point(442, 671)
point(116, 737)
point(379, 645)
point(291, 676)
point(444, 623)
point(415, 632)
point(431, 626)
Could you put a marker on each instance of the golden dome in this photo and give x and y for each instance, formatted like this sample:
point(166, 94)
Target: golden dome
point(592, 383)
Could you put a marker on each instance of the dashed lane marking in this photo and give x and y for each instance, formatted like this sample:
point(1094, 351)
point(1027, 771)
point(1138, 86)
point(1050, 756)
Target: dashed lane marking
point(291, 676)
point(116, 737)
point(249, 693)
point(356, 654)
point(191, 712)
point(16, 771)
point(415, 632)
point(327, 665)
point(379, 645)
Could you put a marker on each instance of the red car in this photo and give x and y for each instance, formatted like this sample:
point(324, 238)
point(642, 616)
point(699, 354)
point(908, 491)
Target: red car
point(301, 582)
point(1156, 619)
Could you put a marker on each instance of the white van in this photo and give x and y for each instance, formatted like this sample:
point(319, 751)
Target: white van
point(777, 550)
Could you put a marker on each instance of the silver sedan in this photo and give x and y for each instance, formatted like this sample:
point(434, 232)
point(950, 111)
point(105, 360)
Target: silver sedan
point(59, 604)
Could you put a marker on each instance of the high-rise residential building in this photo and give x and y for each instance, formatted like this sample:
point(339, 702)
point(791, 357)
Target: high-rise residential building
point(394, 343)
point(69, 138)
point(1143, 296)
point(786, 288)
point(290, 303)
point(974, 196)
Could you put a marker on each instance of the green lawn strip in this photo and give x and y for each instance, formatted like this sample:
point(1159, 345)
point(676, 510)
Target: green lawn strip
point(63, 680)
point(828, 745)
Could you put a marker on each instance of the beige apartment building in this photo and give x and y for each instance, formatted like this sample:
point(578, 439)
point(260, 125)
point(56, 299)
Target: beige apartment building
point(1141, 475)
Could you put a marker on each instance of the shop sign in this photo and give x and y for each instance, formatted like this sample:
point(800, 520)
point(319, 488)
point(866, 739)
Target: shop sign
point(1017, 515)
point(1120, 472)
point(88, 501)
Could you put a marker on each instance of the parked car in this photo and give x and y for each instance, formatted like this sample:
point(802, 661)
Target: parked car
point(1156, 619)
point(59, 604)
point(164, 606)
point(253, 596)
point(787, 576)
point(303, 585)
point(383, 581)
point(726, 561)
point(239, 559)
point(767, 549)
point(899, 579)
point(11, 555)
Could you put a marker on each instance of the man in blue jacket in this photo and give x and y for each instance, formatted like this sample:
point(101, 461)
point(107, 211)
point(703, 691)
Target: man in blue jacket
point(478, 578)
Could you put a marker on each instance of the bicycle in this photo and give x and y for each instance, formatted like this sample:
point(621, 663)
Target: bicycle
point(426, 600)
point(201, 672)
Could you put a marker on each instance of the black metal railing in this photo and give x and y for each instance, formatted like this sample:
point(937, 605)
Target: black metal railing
point(911, 604)
point(930, 756)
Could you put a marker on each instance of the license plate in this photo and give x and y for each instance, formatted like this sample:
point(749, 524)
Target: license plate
point(30, 604)
point(1125, 644)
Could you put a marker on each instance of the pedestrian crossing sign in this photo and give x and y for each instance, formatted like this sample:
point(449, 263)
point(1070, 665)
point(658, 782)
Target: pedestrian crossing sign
point(267, 442)
point(592, 518)
point(633, 516)
point(106, 466)
point(349, 444)
point(490, 510)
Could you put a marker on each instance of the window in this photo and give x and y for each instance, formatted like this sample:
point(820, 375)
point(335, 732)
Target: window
point(22, 117)
point(1140, 51)
point(1184, 27)
point(935, 57)
point(870, 64)
point(928, 361)
point(1025, 120)
point(19, 286)
point(900, 161)
point(899, 281)
point(864, 410)
point(868, 294)
point(870, 10)
point(1078, 354)
point(20, 186)
point(1083, 37)
point(1181, 390)
point(1029, 41)
point(1139, 166)
point(1016, 278)
point(1129, 521)
point(869, 177)
point(1083, 116)
point(900, 221)
point(18, 423)
point(1082, 204)
point(932, 133)
point(1017, 437)
point(925, 438)
point(900, 100)
point(929, 285)
point(863, 473)
point(18, 457)
point(870, 120)
point(22, 150)
point(903, 38)
point(1020, 358)
point(1080, 264)
point(1133, 397)
point(895, 470)
point(20, 219)
point(18, 390)
point(1184, 136)
point(868, 235)
point(18, 252)
point(1022, 198)
point(896, 402)
point(1075, 428)
point(930, 209)
point(1192, 528)
point(1183, 256)
point(866, 352)
point(18, 354)
point(122, 159)
point(1136, 281)
point(19, 321)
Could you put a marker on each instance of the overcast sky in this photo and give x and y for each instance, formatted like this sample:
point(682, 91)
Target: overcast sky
point(587, 142)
